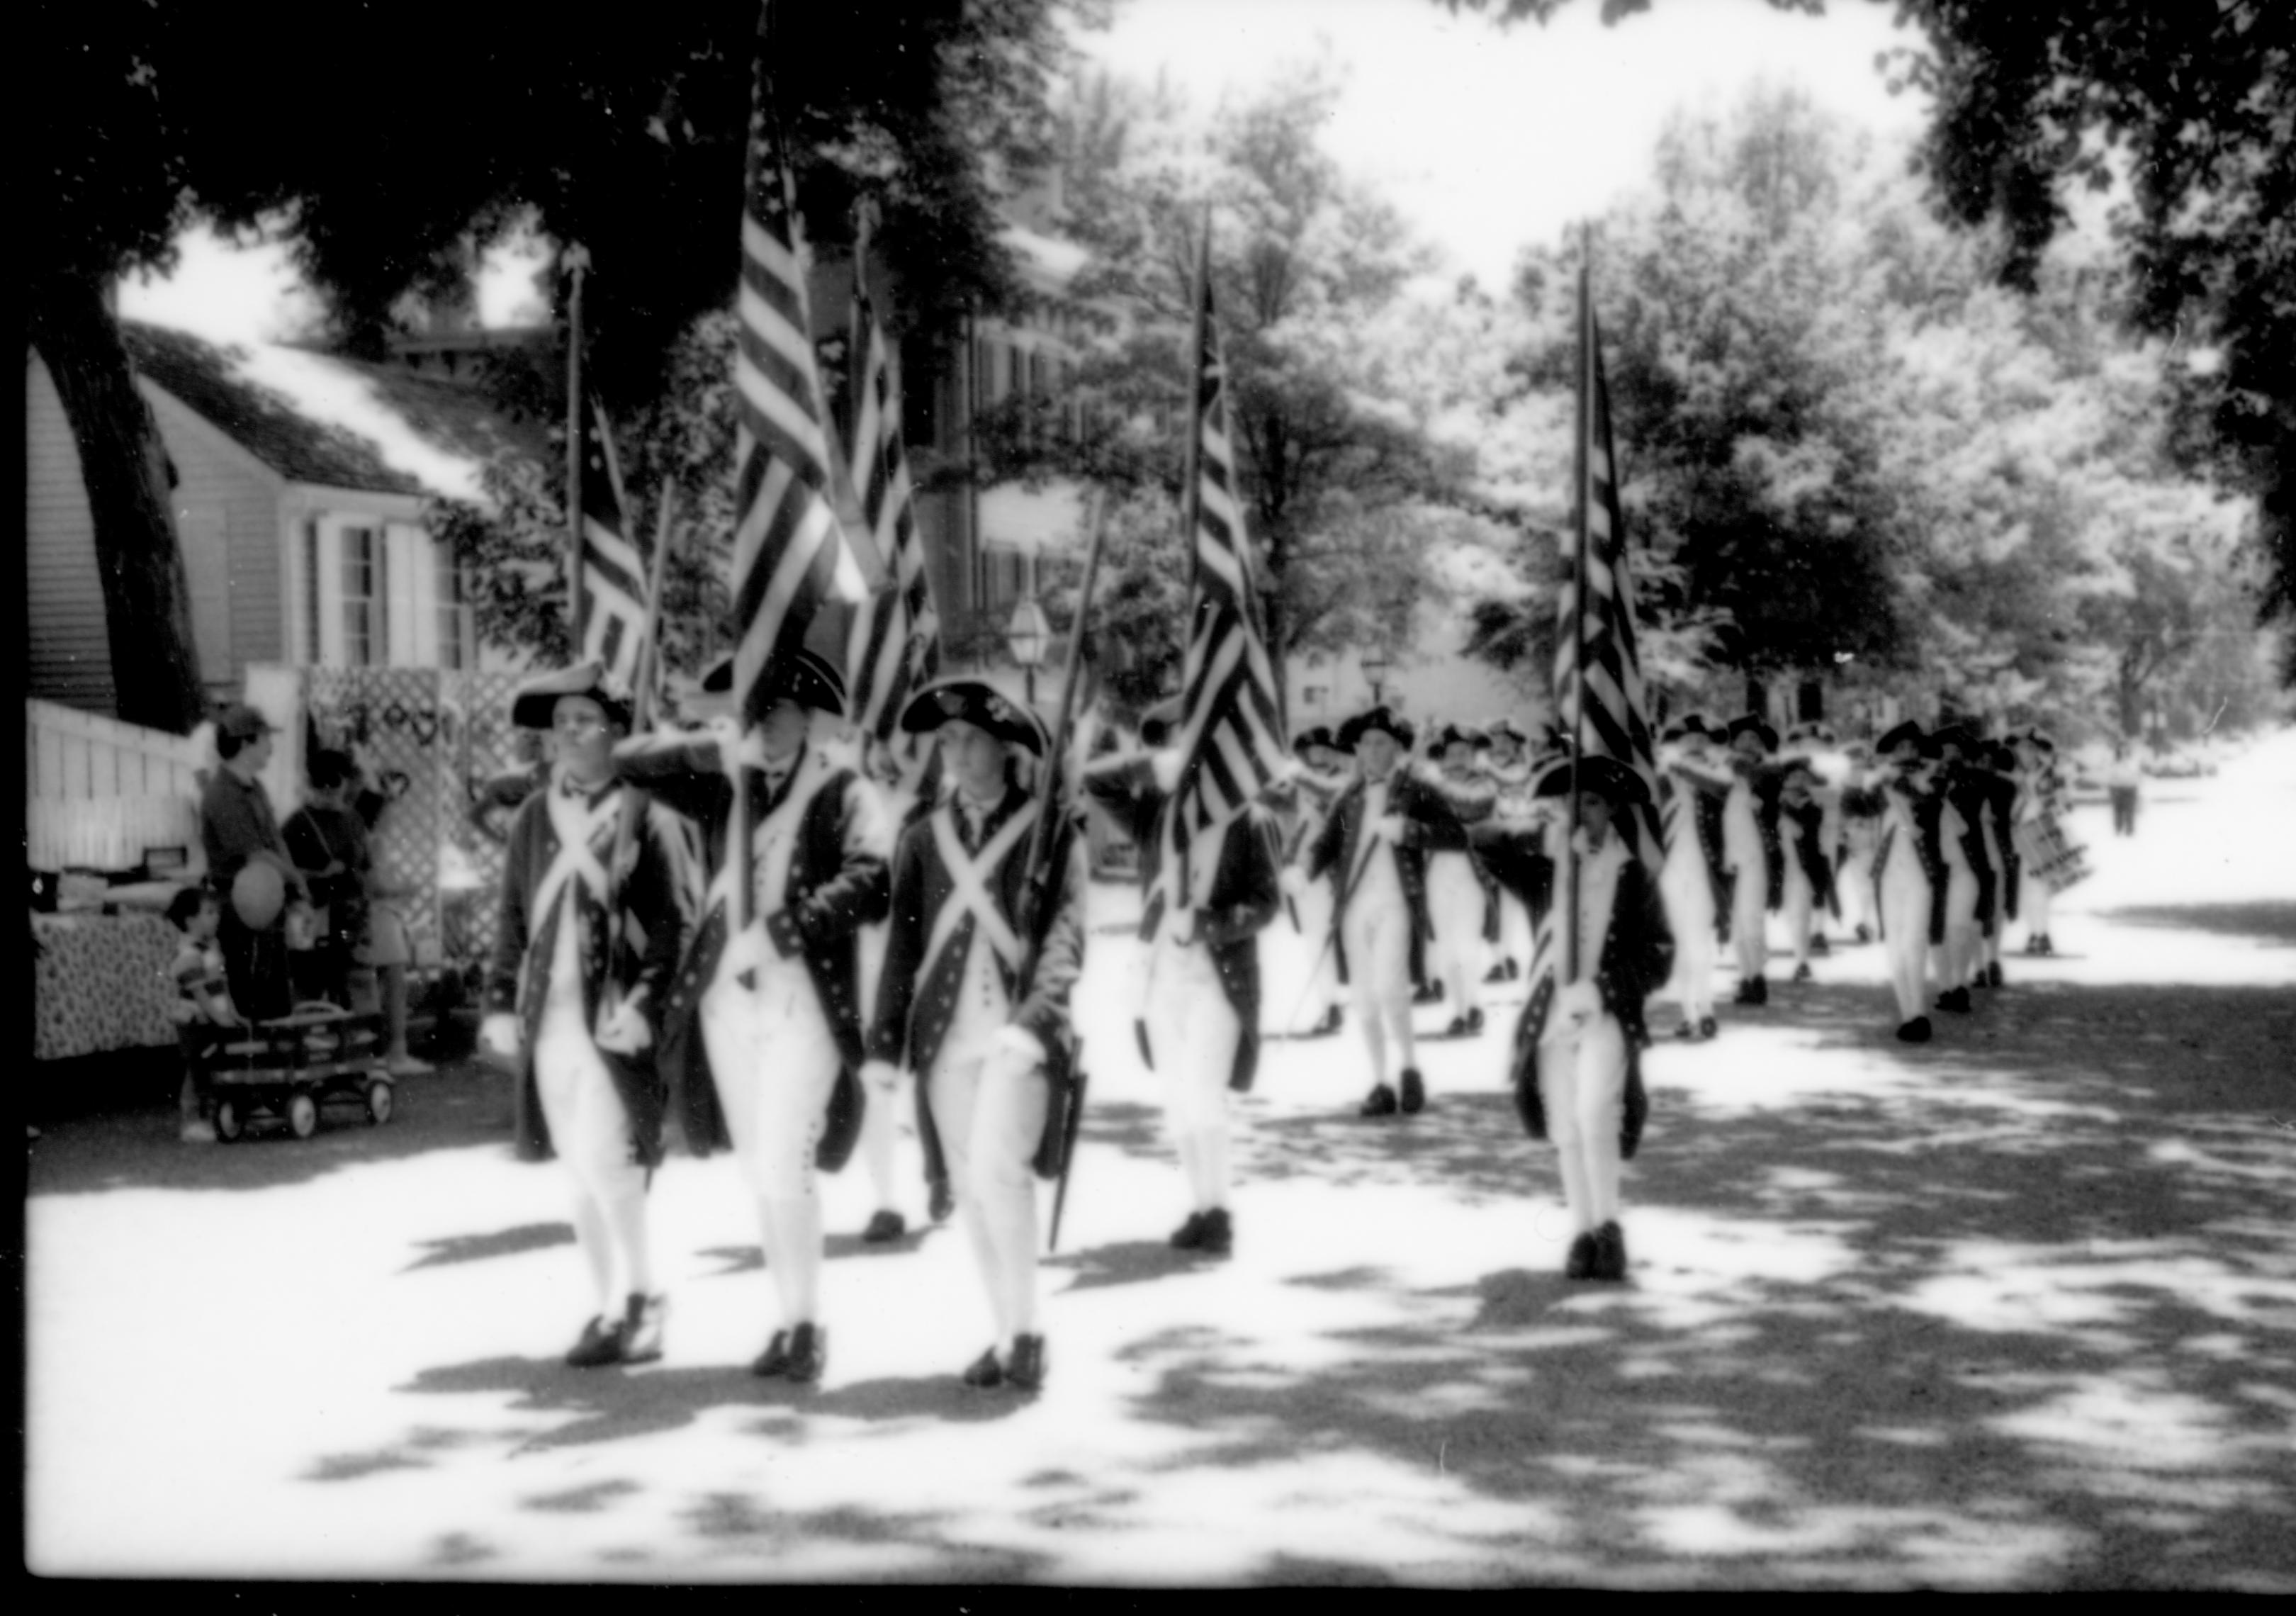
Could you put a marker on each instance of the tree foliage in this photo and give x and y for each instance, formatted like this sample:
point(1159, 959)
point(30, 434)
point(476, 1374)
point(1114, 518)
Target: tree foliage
point(475, 122)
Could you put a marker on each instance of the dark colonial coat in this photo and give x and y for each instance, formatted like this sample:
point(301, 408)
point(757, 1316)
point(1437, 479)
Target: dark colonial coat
point(1638, 953)
point(1429, 826)
point(1244, 894)
point(1928, 846)
point(915, 1008)
point(1969, 795)
point(658, 894)
point(834, 889)
point(1805, 826)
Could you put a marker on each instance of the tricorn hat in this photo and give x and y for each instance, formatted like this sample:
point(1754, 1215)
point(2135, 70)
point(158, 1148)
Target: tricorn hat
point(975, 702)
point(1457, 734)
point(1380, 718)
point(1750, 723)
point(1505, 729)
point(1689, 724)
point(1906, 734)
point(534, 702)
point(1320, 735)
point(1607, 777)
point(801, 676)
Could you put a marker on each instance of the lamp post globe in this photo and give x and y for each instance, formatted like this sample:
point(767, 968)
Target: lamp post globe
point(1028, 636)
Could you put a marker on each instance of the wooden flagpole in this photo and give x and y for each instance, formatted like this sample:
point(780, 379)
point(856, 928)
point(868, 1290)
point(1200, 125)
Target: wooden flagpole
point(577, 258)
point(1582, 455)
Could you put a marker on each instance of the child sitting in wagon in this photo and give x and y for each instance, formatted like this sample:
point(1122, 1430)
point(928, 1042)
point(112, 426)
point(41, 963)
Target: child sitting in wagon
point(202, 1011)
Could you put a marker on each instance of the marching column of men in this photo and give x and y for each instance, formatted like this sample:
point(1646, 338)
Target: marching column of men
point(894, 938)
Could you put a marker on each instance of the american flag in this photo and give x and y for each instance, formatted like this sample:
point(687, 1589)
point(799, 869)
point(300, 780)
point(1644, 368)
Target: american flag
point(896, 640)
point(1230, 732)
point(613, 563)
point(1598, 685)
point(790, 553)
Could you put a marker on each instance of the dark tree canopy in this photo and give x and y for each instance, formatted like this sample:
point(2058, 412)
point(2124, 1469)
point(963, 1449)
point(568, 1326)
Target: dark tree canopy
point(389, 145)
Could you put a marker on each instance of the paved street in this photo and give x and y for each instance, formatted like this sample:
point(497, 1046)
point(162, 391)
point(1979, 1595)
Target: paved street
point(2014, 1310)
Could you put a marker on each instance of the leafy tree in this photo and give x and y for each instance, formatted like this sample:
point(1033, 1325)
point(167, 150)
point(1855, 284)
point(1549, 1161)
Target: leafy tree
point(2185, 110)
point(1341, 486)
point(482, 120)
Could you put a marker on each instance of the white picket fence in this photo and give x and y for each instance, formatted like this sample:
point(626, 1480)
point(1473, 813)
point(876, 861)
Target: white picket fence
point(99, 794)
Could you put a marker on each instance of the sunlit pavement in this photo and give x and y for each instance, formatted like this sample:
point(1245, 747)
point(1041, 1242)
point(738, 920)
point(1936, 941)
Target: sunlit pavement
point(2014, 1310)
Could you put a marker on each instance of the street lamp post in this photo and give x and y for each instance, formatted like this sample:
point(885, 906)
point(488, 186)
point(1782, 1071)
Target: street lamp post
point(1028, 636)
point(1374, 664)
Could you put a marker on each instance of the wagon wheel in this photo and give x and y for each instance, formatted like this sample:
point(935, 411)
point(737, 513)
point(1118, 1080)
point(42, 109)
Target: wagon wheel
point(378, 1102)
point(302, 1115)
point(228, 1123)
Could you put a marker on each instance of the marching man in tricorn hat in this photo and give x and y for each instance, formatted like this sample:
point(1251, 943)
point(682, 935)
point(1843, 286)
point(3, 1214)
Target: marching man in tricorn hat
point(776, 1003)
point(1577, 1074)
point(1199, 1023)
point(1459, 894)
point(1375, 846)
point(1749, 848)
point(1909, 872)
point(583, 956)
point(1693, 884)
point(997, 1062)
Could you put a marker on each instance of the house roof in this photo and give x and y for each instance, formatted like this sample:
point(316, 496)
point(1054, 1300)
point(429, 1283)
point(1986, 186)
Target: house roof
point(451, 416)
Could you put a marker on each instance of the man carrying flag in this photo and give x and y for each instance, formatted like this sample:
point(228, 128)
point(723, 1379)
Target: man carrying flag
point(1603, 944)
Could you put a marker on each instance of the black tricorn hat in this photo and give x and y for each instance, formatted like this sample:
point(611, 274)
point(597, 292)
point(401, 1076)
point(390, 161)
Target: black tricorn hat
point(975, 702)
point(1904, 733)
point(801, 676)
point(1379, 718)
point(1454, 735)
point(1607, 777)
point(1749, 724)
point(1689, 724)
point(1957, 733)
point(1320, 735)
point(535, 703)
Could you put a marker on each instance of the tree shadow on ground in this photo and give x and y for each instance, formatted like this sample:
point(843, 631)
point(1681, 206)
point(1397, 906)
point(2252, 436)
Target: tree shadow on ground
point(1910, 1329)
point(2270, 923)
point(132, 1144)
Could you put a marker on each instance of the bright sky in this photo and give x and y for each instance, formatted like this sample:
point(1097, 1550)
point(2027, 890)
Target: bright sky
point(1491, 139)
point(1486, 138)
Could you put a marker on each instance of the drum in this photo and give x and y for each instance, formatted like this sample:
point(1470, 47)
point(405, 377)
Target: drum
point(2049, 854)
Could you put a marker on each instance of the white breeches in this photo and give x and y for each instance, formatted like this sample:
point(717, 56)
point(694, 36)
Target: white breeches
point(2033, 896)
point(990, 1119)
point(1690, 911)
point(1749, 917)
point(1454, 907)
point(1193, 1031)
point(590, 1131)
point(1959, 956)
point(1314, 994)
point(880, 1120)
point(1378, 937)
point(1854, 879)
point(1798, 900)
point(1904, 936)
point(1583, 1083)
point(776, 1060)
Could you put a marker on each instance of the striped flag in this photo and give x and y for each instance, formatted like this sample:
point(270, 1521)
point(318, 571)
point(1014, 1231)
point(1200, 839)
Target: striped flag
point(1230, 735)
point(895, 639)
point(790, 553)
point(1598, 682)
point(613, 563)
point(1598, 687)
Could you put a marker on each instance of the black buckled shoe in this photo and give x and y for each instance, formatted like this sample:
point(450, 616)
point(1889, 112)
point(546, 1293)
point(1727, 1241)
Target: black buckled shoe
point(1993, 974)
point(601, 1344)
point(1379, 1102)
point(1820, 947)
point(884, 1225)
point(1414, 1092)
point(808, 1353)
point(1708, 1027)
point(1457, 1029)
point(774, 1362)
point(1218, 1237)
point(1802, 972)
point(1610, 1252)
point(1915, 1031)
point(1026, 1371)
point(1190, 1236)
point(1580, 1263)
point(1497, 974)
point(985, 1371)
point(1955, 999)
point(1431, 993)
point(942, 1201)
point(1758, 991)
point(1475, 1019)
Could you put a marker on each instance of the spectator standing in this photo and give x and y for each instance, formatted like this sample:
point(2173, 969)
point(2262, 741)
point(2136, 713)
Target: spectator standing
point(248, 867)
point(2121, 780)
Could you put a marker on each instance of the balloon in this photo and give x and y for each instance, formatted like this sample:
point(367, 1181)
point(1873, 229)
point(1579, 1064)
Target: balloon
point(257, 894)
